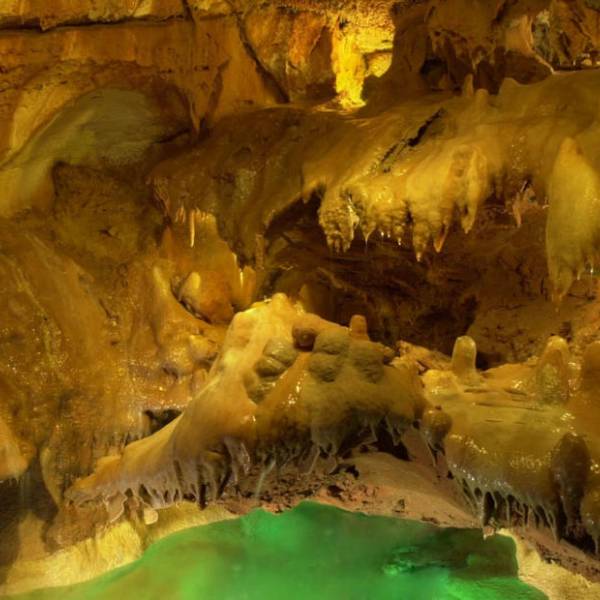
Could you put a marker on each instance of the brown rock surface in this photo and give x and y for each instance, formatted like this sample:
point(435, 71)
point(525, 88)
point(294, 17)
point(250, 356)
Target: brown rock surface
point(169, 170)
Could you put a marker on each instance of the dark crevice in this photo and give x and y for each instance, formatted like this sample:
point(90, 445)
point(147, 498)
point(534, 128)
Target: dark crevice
point(267, 76)
point(392, 154)
point(415, 140)
point(503, 11)
point(171, 137)
point(385, 443)
point(17, 499)
point(386, 158)
point(161, 418)
point(217, 90)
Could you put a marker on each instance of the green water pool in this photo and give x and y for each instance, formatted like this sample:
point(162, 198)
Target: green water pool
point(313, 552)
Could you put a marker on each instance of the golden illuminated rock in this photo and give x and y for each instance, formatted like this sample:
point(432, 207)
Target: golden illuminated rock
point(254, 251)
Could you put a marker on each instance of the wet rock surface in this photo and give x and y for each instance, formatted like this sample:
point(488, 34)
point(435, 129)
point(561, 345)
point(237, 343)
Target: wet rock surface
point(270, 251)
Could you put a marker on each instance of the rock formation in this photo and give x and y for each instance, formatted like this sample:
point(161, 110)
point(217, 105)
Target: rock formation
point(244, 244)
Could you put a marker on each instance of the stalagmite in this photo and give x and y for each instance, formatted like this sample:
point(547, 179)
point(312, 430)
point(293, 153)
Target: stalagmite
point(552, 372)
point(464, 355)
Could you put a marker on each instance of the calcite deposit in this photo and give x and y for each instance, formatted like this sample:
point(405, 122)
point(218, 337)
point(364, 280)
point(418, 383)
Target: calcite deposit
point(253, 252)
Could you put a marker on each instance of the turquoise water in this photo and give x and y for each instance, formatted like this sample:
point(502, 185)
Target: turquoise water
point(313, 552)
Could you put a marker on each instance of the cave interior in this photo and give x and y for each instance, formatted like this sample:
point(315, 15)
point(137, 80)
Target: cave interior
point(258, 253)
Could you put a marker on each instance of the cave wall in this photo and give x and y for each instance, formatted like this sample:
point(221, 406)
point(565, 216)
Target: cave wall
point(195, 62)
